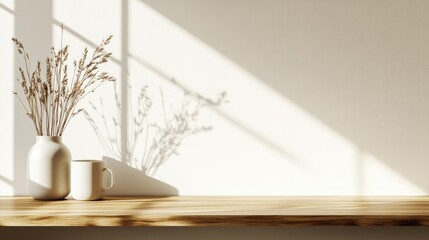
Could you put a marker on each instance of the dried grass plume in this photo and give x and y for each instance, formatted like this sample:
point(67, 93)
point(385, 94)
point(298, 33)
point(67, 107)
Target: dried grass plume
point(51, 99)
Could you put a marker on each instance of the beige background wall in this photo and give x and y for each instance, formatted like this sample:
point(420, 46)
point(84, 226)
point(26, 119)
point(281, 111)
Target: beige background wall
point(325, 97)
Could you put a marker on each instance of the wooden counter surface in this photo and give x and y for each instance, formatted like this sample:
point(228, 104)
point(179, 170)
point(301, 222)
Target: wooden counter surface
point(217, 211)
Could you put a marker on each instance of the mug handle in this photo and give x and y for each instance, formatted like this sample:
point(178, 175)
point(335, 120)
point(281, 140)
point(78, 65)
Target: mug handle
point(112, 179)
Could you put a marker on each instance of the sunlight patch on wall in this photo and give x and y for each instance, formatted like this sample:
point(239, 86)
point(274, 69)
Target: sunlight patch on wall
point(8, 4)
point(98, 20)
point(79, 33)
point(379, 179)
point(6, 98)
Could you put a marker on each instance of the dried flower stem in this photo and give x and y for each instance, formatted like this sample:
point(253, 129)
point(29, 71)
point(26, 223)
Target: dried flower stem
point(51, 102)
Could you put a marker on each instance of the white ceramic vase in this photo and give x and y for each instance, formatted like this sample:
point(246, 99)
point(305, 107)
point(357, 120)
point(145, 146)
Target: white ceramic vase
point(49, 169)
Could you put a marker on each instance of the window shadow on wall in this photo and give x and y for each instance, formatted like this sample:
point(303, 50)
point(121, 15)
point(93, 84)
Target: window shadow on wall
point(344, 69)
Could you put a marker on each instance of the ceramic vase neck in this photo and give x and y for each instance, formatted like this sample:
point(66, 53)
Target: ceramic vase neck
point(56, 139)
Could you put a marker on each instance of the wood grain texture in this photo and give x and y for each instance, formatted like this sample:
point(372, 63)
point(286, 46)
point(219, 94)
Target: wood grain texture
point(217, 211)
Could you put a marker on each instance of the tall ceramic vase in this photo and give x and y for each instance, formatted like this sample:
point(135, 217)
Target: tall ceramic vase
point(49, 169)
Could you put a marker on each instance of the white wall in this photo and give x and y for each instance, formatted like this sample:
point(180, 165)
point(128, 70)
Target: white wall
point(325, 97)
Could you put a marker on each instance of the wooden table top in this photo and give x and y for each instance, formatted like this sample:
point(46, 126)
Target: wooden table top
point(217, 211)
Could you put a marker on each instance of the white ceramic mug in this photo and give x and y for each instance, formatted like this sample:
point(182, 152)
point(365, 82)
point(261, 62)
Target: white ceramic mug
point(87, 179)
